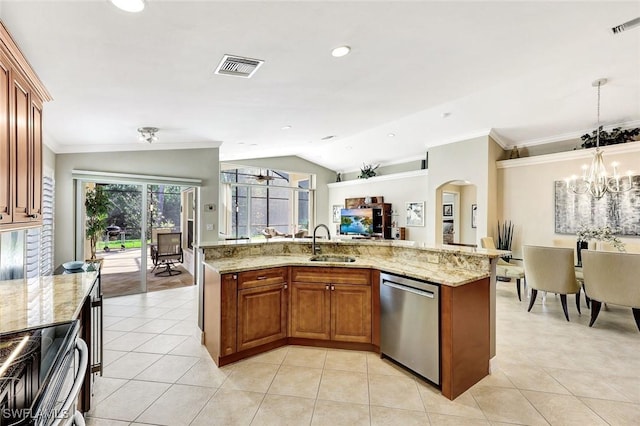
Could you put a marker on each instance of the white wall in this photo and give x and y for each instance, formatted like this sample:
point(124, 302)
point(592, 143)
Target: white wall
point(190, 163)
point(396, 189)
point(528, 191)
point(472, 161)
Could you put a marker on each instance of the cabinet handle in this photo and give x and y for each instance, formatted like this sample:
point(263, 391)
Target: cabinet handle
point(33, 216)
point(286, 287)
point(235, 277)
point(333, 287)
point(326, 287)
point(263, 277)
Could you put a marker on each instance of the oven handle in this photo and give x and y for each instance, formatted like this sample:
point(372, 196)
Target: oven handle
point(83, 361)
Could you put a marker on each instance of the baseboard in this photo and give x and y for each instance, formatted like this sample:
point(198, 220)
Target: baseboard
point(493, 365)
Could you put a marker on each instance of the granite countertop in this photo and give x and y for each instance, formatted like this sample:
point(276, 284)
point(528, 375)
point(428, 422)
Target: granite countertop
point(414, 245)
point(429, 272)
point(32, 303)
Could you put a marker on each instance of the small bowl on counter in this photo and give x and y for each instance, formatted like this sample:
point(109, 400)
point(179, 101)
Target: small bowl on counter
point(73, 265)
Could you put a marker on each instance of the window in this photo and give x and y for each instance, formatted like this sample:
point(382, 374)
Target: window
point(46, 239)
point(257, 199)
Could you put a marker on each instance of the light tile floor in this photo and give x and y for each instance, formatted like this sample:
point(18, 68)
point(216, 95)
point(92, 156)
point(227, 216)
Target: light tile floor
point(549, 371)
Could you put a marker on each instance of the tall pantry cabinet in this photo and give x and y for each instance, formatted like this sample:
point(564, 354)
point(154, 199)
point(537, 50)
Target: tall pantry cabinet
point(21, 97)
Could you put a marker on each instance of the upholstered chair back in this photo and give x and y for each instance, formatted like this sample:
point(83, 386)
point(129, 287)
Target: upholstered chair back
point(612, 277)
point(550, 269)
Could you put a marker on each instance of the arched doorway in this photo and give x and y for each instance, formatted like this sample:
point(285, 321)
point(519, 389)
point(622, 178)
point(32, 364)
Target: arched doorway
point(456, 209)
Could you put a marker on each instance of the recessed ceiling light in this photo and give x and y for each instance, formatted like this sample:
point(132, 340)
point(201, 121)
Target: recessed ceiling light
point(340, 51)
point(287, 127)
point(391, 135)
point(129, 5)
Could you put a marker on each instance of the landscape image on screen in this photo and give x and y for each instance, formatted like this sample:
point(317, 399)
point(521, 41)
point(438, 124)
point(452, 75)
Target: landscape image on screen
point(356, 221)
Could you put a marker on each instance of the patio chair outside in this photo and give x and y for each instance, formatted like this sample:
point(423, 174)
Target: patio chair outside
point(166, 253)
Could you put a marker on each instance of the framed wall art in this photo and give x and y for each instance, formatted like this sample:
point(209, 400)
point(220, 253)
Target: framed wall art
point(415, 213)
point(474, 215)
point(447, 210)
point(336, 212)
point(619, 211)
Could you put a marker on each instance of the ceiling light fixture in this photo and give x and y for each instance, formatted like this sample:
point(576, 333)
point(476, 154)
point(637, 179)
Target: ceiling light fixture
point(626, 26)
point(148, 134)
point(340, 51)
point(596, 181)
point(391, 135)
point(287, 127)
point(129, 5)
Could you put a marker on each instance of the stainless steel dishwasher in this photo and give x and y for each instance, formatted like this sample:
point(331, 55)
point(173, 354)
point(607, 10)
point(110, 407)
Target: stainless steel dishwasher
point(410, 324)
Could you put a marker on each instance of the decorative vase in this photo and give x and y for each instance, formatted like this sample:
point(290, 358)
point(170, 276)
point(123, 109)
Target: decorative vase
point(579, 247)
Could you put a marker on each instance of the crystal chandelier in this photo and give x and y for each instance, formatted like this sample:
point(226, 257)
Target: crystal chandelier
point(595, 179)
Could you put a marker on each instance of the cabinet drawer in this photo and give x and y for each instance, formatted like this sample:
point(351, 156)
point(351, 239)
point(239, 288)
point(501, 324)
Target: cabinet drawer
point(331, 275)
point(261, 277)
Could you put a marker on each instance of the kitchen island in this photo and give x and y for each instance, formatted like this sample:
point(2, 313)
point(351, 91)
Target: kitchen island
point(259, 296)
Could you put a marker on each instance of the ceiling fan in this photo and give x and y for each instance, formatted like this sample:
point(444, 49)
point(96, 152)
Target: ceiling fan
point(263, 177)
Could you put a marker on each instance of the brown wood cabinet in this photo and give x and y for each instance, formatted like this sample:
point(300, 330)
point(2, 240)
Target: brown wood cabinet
point(21, 98)
point(6, 163)
point(262, 307)
point(219, 308)
point(331, 304)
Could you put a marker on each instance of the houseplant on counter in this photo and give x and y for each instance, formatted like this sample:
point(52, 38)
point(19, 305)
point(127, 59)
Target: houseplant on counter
point(96, 206)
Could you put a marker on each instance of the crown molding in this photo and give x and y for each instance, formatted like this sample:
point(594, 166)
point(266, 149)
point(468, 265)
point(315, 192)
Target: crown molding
point(20, 62)
point(75, 149)
point(504, 144)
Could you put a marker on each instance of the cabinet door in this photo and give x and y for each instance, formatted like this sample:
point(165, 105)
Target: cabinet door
point(21, 140)
point(262, 315)
point(311, 310)
point(351, 313)
point(35, 161)
point(5, 144)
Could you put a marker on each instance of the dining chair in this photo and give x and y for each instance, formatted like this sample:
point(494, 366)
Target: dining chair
point(611, 277)
point(505, 269)
point(572, 244)
point(551, 269)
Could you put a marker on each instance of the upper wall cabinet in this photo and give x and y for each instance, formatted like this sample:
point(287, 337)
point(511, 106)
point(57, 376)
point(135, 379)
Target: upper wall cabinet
point(21, 98)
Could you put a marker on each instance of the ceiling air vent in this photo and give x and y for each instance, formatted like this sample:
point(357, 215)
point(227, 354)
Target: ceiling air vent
point(238, 66)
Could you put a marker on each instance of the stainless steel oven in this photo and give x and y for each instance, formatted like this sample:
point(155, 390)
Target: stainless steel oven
point(63, 368)
point(42, 383)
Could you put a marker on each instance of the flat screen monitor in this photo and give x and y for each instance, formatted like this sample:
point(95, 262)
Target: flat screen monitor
point(356, 221)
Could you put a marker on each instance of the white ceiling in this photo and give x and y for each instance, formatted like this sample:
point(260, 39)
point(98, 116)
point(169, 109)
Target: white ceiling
point(523, 69)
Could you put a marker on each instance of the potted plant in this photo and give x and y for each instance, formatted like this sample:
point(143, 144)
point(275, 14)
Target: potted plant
point(615, 136)
point(368, 171)
point(96, 206)
point(505, 237)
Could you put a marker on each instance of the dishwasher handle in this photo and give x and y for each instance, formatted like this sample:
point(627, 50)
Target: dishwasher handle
point(424, 293)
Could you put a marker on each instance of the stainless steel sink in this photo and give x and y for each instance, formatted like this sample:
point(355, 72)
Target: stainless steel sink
point(332, 258)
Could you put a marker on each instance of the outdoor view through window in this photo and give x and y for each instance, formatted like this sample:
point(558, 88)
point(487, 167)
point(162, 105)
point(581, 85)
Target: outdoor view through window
point(256, 199)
